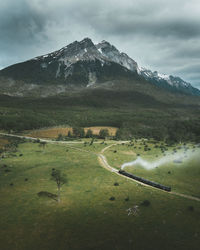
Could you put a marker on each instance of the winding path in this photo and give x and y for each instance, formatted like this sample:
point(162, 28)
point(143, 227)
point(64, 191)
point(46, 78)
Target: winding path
point(103, 161)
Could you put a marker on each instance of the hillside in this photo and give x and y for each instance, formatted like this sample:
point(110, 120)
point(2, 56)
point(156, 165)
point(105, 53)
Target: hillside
point(130, 109)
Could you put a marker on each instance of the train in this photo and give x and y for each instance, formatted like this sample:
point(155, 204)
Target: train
point(140, 179)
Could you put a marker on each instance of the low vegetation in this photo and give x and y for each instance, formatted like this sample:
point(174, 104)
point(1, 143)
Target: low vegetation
point(163, 116)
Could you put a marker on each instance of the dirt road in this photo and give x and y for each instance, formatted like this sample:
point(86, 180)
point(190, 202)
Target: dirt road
point(103, 161)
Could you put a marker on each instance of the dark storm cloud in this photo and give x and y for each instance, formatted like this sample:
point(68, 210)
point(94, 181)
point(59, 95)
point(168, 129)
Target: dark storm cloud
point(150, 25)
point(161, 35)
point(21, 29)
point(20, 25)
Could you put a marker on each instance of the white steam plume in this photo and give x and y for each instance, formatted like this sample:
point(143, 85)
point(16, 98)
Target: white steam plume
point(178, 157)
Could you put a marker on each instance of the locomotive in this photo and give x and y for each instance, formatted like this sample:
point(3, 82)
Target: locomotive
point(140, 179)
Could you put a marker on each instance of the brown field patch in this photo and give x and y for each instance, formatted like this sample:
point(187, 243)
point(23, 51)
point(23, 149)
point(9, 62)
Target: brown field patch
point(95, 130)
point(53, 133)
point(3, 142)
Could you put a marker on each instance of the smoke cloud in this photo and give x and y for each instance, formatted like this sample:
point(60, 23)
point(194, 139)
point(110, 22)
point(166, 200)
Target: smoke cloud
point(175, 157)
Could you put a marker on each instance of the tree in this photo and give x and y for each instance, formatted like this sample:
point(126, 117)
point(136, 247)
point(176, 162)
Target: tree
point(60, 137)
point(69, 134)
point(123, 134)
point(78, 132)
point(89, 133)
point(118, 134)
point(92, 141)
point(43, 144)
point(103, 133)
point(59, 178)
point(82, 133)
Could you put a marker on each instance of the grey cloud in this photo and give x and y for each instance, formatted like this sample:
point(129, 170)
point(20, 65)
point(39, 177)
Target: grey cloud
point(141, 25)
point(20, 26)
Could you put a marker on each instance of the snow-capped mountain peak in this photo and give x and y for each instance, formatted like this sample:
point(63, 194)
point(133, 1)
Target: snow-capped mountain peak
point(168, 81)
point(111, 53)
point(86, 63)
point(86, 50)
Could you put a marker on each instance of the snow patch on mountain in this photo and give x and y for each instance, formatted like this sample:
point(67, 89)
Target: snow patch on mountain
point(114, 55)
point(92, 79)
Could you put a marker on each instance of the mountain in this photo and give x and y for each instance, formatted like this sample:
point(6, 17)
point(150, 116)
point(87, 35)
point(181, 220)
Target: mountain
point(79, 65)
point(168, 81)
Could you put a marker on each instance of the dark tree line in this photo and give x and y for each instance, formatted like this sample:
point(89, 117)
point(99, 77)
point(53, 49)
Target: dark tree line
point(172, 132)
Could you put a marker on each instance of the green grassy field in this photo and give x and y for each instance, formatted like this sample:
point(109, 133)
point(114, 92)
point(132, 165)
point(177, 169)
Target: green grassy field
point(86, 218)
point(182, 177)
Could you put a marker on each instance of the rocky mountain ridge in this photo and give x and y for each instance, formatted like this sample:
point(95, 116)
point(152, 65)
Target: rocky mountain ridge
point(84, 64)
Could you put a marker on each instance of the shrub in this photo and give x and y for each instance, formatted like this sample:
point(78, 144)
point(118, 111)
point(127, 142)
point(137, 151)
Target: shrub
point(112, 198)
point(45, 194)
point(116, 184)
point(7, 170)
point(191, 208)
point(145, 203)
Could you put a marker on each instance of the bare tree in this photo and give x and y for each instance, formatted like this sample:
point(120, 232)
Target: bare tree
point(59, 178)
point(43, 144)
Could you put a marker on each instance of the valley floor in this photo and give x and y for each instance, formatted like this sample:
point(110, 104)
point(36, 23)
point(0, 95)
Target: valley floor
point(98, 209)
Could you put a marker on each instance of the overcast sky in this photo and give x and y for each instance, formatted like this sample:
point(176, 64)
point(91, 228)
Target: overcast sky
point(162, 35)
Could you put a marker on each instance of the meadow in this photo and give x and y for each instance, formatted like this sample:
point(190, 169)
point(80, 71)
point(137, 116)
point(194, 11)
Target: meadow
point(181, 171)
point(87, 217)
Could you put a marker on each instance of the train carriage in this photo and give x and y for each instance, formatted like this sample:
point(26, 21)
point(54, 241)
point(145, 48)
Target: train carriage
point(140, 179)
